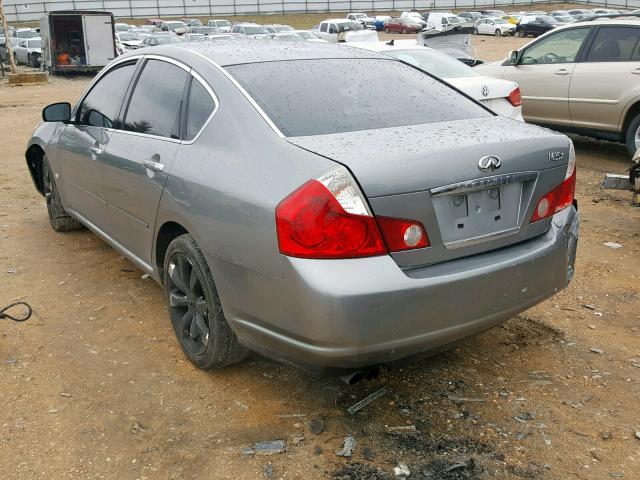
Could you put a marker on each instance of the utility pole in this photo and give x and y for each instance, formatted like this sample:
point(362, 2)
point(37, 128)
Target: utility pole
point(12, 61)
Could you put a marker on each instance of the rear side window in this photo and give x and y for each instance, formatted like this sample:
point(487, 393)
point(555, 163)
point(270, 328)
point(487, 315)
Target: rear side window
point(199, 109)
point(343, 95)
point(156, 102)
point(323, 27)
point(615, 44)
point(101, 106)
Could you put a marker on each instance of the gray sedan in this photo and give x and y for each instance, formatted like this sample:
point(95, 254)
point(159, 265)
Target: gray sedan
point(323, 205)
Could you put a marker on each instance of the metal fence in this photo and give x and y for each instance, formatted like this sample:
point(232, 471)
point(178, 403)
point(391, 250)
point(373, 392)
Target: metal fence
point(27, 10)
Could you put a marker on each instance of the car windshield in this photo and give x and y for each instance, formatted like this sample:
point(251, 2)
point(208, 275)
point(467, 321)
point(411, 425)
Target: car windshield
point(348, 26)
point(223, 23)
point(27, 34)
point(316, 97)
point(176, 25)
point(500, 21)
point(436, 63)
point(255, 30)
point(547, 19)
point(35, 43)
point(128, 36)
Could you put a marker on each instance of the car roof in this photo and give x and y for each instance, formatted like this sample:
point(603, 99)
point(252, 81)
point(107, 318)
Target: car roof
point(612, 21)
point(230, 52)
point(337, 20)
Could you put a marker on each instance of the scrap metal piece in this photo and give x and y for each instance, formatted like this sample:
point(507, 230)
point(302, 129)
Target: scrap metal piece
point(348, 446)
point(367, 400)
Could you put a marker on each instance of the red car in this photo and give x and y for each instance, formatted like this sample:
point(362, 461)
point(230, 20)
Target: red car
point(402, 25)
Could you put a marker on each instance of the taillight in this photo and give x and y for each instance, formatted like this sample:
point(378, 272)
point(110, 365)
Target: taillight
point(328, 217)
point(560, 197)
point(515, 98)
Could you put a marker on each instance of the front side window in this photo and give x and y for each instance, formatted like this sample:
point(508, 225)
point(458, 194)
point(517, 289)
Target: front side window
point(199, 109)
point(615, 44)
point(562, 47)
point(156, 102)
point(363, 94)
point(101, 106)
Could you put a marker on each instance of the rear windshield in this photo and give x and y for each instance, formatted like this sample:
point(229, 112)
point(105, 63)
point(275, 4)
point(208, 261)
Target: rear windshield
point(436, 63)
point(315, 97)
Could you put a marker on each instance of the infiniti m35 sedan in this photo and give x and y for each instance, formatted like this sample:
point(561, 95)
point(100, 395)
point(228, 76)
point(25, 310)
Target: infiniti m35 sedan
point(292, 200)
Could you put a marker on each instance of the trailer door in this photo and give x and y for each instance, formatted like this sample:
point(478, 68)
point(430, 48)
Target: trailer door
point(98, 39)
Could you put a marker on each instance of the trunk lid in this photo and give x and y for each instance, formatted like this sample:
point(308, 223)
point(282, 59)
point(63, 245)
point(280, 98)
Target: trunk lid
point(430, 172)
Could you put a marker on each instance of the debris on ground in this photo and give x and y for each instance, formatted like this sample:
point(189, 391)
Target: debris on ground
point(316, 426)
point(524, 417)
point(403, 430)
point(596, 350)
point(348, 446)
point(12, 270)
point(613, 245)
point(137, 428)
point(367, 400)
point(270, 447)
point(465, 399)
point(638, 434)
point(401, 470)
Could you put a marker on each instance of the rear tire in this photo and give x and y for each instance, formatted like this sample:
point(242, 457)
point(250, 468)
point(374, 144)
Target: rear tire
point(633, 135)
point(404, 31)
point(195, 309)
point(498, 33)
point(58, 217)
point(31, 60)
point(475, 31)
point(521, 34)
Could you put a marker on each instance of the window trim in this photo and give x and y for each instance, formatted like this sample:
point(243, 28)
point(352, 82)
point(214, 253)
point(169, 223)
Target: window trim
point(195, 76)
point(139, 61)
point(593, 39)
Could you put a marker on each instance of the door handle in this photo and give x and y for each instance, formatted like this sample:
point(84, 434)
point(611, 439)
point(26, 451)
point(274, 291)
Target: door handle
point(562, 71)
point(95, 150)
point(155, 166)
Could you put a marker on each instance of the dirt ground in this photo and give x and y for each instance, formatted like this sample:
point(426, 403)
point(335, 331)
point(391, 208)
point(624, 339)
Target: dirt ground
point(95, 386)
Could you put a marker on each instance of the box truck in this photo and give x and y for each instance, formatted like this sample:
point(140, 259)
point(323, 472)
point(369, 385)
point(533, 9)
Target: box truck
point(77, 41)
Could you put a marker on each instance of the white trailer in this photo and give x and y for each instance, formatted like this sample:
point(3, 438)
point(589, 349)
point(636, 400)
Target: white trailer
point(77, 41)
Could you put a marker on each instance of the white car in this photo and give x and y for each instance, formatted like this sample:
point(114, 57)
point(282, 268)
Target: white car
point(129, 40)
point(121, 27)
point(494, 26)
point(501, 96)
point(308, 35)
point(28, 51)
point(342, 30)
point(441, 20)
point(223, 25)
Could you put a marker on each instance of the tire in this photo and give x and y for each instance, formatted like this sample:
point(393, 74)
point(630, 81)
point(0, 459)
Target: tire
point(58, 217)
point(404, 31)
point(498, 33)
point(521, 34)
point(195, 309)
point(32, 62)
point(475, 31)
point(386, 30)
point(632, 136)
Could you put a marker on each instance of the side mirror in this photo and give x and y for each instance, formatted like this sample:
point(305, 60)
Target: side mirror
point(57, 112)
point(514, 58)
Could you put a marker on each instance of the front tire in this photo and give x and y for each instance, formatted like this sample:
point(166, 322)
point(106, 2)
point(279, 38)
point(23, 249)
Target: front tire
point(498, 33)
point(633, 135)
point(58, 217)
point(475, 31)
point(195, 309)
point(521, 34)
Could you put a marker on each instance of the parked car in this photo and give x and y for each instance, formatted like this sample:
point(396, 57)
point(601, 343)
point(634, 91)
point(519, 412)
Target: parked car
point(512, 18)
point(121, 27)
point(129, 40)
point(363, 18)
point(380, 21)
point(224, 25)
point(155, 40)
point(580, 11)
point(345, 234)
point(493, 13)
point(25, 33)
point(156, 22)
point(501, 96)
point(535, 25)
point(605, 11)
point(402, 25)
point(582, 77)
point(4, 52)
point(250, 29)
point(440, 20)
point(277, 28)
point(201, 30)
point(308, 36)
point(192, 22)
point(175, 26)
point(564, 18)
point(494, 26)
point(341, 30)
point(28, 51)
point(471, 17)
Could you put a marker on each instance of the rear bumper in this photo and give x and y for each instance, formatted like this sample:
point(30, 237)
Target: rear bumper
point(347, 314)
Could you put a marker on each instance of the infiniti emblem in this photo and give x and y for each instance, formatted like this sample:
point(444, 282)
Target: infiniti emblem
point(489, 162)
point(485, 90)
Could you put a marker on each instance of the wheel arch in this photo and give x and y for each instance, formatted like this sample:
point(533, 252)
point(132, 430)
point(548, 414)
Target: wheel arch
point(632, 111)
point(169, 231)
point(34, 155)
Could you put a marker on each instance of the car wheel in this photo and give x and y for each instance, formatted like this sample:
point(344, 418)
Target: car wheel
point(475, 31)
point(195, 309)
point(633, 135)
point(498, 33)
point(31, 60)
point(58, 217)
point(521, 34)
point(386, 30)
point(404, 30)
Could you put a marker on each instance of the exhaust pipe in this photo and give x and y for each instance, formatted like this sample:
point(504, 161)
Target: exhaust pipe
point(358, 375)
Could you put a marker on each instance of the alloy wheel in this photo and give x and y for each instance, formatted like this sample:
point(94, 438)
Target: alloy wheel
point(187, 305)
point(637, 138)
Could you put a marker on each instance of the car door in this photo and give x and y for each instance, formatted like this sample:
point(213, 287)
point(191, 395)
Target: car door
point(138, 155)
point(82, 143)
point(607, 79)
point(20, 52)
point(544, 73)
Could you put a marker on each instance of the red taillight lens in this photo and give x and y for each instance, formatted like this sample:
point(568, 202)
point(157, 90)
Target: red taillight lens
point(557, 199)
point(311, 223)
point(400, 234)
point(515, 98)
point(328, 217)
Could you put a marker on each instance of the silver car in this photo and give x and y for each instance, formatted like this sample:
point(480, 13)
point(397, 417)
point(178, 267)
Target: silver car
point(297, 202)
